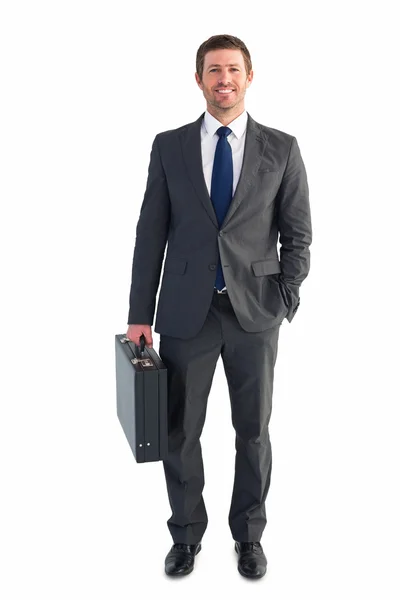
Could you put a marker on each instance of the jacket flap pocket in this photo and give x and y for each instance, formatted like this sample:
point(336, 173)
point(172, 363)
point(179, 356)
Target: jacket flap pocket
point(266, 267)
point(175, 265)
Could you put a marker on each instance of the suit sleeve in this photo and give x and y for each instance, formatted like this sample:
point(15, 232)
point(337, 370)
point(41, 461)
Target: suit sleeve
point(294, 226)
point(151, 237)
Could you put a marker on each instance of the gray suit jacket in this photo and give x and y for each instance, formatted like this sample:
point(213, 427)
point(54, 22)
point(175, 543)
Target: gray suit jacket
point(271, 198)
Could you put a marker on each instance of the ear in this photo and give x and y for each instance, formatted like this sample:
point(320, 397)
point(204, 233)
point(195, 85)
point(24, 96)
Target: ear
point(198, 80)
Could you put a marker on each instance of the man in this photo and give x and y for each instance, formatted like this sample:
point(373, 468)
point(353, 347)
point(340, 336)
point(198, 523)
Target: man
point(220, 190)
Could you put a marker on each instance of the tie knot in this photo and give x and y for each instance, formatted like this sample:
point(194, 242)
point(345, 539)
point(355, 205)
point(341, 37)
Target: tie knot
point(224, 131)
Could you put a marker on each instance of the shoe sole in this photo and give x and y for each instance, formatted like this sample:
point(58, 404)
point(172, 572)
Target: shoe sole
point(186, 572)
point(246, 574)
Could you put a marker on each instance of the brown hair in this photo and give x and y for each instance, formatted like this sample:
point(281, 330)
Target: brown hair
point(217, 42)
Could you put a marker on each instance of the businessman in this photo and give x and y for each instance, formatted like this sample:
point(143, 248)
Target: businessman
point(222, 191)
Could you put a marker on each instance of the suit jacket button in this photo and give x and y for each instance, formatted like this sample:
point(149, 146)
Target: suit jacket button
point(212, 267)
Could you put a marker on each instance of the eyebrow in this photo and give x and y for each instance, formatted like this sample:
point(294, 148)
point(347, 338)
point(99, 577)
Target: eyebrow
point(230, 65)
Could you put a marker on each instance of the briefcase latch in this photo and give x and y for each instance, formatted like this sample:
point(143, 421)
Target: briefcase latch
point(145, 362)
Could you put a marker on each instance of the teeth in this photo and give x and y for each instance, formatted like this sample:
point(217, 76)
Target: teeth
point(224, 91)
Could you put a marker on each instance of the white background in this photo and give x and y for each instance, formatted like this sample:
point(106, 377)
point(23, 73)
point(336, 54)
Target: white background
point(85, 86)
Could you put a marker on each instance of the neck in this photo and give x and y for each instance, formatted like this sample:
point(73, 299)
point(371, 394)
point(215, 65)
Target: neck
point(225, 115)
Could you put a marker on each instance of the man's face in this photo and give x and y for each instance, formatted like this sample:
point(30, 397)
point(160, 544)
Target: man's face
point(224, 69)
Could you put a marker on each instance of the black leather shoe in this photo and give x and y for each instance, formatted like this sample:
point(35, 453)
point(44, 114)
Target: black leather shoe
point(180, 559)
point(252, 561)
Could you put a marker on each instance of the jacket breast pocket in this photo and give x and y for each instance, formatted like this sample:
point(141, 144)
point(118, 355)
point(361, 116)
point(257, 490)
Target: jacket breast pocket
point(175, 265)
point(268, 170)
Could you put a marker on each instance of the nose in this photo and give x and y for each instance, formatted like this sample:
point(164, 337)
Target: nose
point(224, 81)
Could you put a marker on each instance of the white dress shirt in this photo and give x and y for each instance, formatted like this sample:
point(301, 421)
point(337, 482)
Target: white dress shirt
point(209, 140)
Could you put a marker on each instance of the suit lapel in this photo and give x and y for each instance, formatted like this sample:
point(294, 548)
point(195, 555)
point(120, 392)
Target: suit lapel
point(255, 143)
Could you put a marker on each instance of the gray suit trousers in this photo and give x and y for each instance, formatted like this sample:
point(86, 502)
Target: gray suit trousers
point(248, 360)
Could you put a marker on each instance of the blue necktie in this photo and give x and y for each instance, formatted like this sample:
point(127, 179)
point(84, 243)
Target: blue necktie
point(221, 187)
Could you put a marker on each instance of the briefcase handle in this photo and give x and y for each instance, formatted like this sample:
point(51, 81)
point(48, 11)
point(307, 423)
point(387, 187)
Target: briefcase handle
point(142, 341)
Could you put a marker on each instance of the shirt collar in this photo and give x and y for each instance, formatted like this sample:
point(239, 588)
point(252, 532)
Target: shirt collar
point(238, 125)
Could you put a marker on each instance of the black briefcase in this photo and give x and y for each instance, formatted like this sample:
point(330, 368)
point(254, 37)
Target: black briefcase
point(141, 379)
